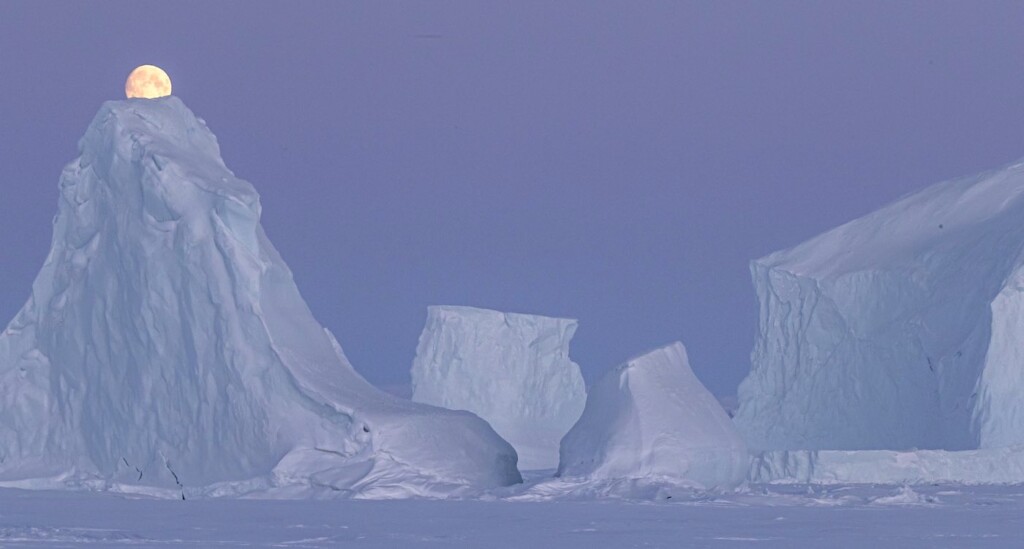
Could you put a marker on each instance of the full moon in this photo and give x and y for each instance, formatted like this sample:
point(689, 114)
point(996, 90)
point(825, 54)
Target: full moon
point(148, 82)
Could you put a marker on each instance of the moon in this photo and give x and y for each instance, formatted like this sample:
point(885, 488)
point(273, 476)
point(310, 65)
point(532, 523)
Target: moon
point(148, 82)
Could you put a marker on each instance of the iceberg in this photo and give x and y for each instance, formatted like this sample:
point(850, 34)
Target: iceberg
point(652, 419)
point(165, 348)
point(897, 331)
point(513, 370)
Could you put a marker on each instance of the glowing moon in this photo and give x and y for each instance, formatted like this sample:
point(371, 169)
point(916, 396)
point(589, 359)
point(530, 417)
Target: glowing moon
point(148, 82)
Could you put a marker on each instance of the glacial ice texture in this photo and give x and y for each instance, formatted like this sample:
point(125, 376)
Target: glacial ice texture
point(513, 370)
point(165, 346)
point(897, 331)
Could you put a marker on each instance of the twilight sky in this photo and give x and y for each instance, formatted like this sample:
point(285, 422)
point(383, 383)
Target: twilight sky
point(615, 162)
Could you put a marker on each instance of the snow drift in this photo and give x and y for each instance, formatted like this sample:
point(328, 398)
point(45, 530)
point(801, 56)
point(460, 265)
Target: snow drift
point(651, 418)
point(165, 347)
point(511, 369)
point(899, 330)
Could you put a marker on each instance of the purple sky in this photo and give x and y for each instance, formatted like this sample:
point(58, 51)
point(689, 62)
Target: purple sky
point(615, 162)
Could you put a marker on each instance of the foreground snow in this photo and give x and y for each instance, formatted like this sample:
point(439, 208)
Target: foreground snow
point(789, 516)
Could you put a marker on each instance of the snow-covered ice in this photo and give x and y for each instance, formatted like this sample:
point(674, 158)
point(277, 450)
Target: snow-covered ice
point(764, 516)
point(165, 347)
point(985, 466)
point(513, 370)
point(652, 419)
point(897, 331)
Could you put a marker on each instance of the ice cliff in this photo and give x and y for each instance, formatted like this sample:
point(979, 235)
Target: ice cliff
point(511, 369)
point(899, 330)
point(652, 419)
point(165, 347)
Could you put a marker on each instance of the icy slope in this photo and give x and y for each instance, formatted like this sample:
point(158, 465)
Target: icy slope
point(165, 345)
point(511, 369)
point(898, 330)
point(651, 418)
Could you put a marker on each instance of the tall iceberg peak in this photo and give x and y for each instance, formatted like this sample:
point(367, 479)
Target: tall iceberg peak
point(651, 420)
point(898, 330)
point(511, 369)
point(165, 345)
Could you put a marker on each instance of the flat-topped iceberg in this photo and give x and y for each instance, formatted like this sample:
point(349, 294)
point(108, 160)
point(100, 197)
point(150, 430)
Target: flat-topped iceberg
point(511, 369)
point(897, 331)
